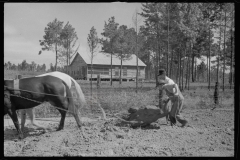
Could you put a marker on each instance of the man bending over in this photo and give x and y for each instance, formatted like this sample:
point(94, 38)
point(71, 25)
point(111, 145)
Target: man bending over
point(174, 94)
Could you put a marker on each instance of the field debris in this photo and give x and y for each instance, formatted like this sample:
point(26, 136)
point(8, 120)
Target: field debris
point(144, 116)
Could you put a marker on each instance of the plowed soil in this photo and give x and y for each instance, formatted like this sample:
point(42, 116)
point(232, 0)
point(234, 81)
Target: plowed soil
point(209, 133)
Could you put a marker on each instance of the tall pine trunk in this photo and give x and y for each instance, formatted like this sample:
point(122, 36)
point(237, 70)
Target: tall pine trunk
point(219, 49)
point(136, 58)
point(157, 59)
point(120, 80)
point(168, 40)
point(209, 63)
point(179, 60)
point(177, 73)
point(56, 57)
point(67, 61)
point(195, 77)
point(149, 67)
point(160, 62)
point(207, 70)
point(193, 57)
point(182, 73)
point(171, 64)
point(156, 68)
point(189, 72)
point(224, 51)
point(91, 77)
point(186, 80)
point(189, 69)
point(231, 69)
point(111, 69)
point(186, 73)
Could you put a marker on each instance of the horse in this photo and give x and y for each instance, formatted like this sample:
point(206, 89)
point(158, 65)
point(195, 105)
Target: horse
point(54, 87)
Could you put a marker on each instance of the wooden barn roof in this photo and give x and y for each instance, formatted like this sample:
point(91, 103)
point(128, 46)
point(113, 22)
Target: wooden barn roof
point(105, 59)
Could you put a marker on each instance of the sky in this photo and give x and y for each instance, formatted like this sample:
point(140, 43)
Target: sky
point(24, 25)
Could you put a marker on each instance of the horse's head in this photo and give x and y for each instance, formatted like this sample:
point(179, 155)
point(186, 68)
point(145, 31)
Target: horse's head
point(8, 84)
point(7, 102)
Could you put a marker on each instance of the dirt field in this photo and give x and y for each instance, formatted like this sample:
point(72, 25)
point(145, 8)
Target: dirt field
point(209, 133)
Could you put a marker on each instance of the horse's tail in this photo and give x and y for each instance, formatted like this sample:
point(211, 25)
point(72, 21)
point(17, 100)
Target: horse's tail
point(71, 105)
point(80, 96)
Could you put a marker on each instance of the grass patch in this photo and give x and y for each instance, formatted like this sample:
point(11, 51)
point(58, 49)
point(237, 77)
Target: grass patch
point(117, 98)
point(114, 101)
point(10, 74)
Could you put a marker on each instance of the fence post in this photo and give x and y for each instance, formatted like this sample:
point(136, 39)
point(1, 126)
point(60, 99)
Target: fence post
point(98, 81)
point(216, 93)
point(18, 76)
point(16, 84)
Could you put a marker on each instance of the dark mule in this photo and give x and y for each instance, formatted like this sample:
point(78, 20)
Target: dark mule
point(56, 91)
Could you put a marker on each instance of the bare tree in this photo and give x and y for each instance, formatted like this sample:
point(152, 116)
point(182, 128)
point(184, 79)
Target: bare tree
point(51, 39)
point(209, 57)
point(110, 33)
point(69, 38)
point(231, 68)
point(224, 38)
point(219, 54)
point(92, 43)
point(136, 22)
point(168, 6)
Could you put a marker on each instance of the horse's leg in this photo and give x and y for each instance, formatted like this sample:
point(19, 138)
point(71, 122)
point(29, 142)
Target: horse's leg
point(61, 124)
point(62, 104)
point(23, 118)
point(12, 113)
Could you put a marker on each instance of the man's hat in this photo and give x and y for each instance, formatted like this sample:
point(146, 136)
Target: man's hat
point(161, 71)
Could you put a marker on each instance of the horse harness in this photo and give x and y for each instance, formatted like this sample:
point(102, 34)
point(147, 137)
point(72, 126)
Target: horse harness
point(16, 91)
point(21, 94)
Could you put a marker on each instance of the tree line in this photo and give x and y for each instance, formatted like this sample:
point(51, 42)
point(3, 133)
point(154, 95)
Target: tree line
point(24, 66)
point(173, 36)
point(176, 34)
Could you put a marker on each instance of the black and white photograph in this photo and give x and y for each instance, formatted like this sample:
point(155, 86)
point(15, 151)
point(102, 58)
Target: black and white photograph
point(119, 79)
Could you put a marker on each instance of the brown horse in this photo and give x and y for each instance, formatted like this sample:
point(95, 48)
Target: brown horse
point(54, 87)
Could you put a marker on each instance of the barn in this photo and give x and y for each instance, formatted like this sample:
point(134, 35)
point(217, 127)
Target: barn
point(80, 67)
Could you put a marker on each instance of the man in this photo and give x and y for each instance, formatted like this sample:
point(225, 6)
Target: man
point(172, 91)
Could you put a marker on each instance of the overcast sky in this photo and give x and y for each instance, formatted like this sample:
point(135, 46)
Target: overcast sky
point(24, 25)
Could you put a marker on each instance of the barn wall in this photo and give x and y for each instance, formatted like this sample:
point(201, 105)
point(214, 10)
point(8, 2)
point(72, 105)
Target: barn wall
point(105, 71)
point(78, 68)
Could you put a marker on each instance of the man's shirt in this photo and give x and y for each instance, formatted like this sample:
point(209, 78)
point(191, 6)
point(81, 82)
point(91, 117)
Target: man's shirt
point(169, 81)
point(169, 85)
point(170, 89)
